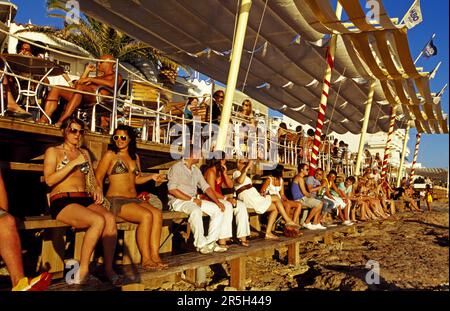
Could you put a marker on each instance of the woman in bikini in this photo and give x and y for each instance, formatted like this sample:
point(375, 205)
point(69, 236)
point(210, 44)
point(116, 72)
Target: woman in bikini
point(65, 169)
point(122, 165)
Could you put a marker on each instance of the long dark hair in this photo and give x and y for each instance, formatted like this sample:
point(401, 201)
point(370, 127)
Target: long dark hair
point(215, 162)
point(131, 145)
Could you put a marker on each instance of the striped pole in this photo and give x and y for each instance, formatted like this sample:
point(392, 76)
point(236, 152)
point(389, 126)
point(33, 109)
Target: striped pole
point(402, 159)
point(416, 153)
point(388, 143)
point(324, 97)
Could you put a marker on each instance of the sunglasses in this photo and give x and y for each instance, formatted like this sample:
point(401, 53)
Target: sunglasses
point(75, 131)
point(122, 137)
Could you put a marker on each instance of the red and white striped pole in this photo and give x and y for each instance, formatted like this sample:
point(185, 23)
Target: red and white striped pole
point(387, 148)
point(324, 97)
point(321, 115)
point(416, 153)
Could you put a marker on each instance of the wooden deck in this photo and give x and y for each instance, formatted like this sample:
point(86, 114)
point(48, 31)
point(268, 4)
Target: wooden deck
point(134, 276)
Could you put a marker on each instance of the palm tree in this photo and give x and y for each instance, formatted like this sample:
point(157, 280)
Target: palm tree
point(99, 39)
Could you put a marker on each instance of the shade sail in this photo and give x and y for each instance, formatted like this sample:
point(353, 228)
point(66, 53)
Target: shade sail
point(200, 34)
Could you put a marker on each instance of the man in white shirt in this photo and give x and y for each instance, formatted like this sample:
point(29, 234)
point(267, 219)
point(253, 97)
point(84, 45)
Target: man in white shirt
point(184, 179)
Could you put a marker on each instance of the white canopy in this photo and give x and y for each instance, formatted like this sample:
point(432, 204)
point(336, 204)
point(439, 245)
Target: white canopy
point(289, 59)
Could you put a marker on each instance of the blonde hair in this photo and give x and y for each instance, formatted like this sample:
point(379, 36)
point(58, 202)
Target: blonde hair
point(241, 108)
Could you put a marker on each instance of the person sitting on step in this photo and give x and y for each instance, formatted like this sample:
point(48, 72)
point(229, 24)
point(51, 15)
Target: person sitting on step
point(106, 76)
point(217, 178)
point(261, 204)
point(122, 165)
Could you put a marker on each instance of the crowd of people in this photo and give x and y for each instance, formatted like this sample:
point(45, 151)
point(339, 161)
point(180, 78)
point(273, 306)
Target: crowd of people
point(78, 199)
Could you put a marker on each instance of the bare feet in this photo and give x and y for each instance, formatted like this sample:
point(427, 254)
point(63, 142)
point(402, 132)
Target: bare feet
point(270, 236)
point(150, 265)
point(243, 242)
point(159, 262)
point(43, 120)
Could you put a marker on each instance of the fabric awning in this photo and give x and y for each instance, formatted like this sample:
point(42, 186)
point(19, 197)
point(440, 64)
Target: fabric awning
point(200, 34)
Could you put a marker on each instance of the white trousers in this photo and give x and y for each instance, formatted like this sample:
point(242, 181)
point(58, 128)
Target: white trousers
point(338, 202)
point(242, 222)
point(196, 220)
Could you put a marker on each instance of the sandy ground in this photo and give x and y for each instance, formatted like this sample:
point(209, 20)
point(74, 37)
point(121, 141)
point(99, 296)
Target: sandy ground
point(412, 253)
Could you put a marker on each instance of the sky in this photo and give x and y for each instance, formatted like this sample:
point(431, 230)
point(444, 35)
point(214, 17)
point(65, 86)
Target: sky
point(433, 148)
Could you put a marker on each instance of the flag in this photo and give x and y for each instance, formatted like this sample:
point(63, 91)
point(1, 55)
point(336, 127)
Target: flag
point(430, 49)
point(414, 15)
point(433, 73)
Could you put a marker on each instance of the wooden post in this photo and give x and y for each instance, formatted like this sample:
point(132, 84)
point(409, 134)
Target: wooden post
point(328, 238)
point(294, 253)
point(79, 237)
point(53, 249)
point(131, 254)
point(196, 276)
point(254, 223)
point(237, 279)
point(165, 234)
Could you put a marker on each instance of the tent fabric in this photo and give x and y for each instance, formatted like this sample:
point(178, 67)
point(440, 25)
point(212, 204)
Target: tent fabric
point(200, 34)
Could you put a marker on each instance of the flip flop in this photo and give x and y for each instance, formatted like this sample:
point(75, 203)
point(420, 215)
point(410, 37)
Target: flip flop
point(162, 264)
point(156, 267)
point(89, 280)
point(271, 237)
point(116, 280)
point(243, 243)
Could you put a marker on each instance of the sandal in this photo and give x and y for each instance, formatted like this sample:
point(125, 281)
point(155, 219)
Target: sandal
point(271, 237)
point(154, 267)
point(116, 280)
point(89, 280)
point(244, 243)
point(292, 224)
point(162, 265)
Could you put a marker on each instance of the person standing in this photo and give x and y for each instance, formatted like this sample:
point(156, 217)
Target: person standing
point(428, 196)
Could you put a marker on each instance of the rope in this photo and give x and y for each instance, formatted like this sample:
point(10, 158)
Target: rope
point(254, 46)
point(335, 101)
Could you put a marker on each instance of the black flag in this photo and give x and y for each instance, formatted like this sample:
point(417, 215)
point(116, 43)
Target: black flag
point(430, 49)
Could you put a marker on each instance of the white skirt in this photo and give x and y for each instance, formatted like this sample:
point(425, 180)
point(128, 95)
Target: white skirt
point(253, 199)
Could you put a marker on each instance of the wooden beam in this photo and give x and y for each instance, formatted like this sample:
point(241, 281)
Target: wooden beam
point(19, 166)
point(294, 253)
point(237, 278)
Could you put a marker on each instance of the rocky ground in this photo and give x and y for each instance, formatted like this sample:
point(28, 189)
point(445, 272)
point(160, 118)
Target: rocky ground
point(411, 253)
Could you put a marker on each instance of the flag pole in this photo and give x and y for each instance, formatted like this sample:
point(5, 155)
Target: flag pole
point(402, 159)
point(421, 52)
